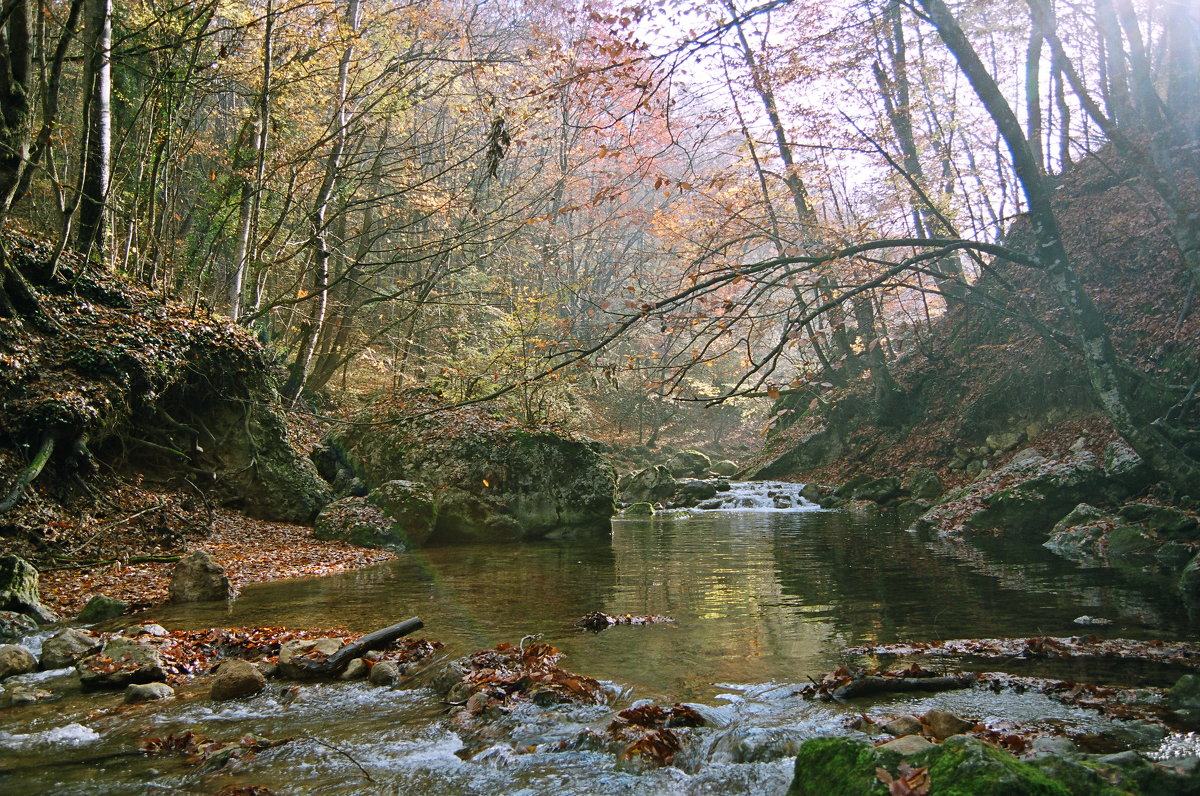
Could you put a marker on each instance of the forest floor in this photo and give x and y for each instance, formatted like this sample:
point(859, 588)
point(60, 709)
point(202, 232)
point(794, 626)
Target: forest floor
point(250, 550)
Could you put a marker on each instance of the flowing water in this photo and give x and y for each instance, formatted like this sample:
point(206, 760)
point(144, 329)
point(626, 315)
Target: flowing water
point(765, 590)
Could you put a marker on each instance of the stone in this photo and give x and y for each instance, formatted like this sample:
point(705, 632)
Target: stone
point(1004, 441)
point(148, 629)
point(689, 463)
point(725, 469)
point(639, 510)
point(101, 609)
point(358, 521)
point(384, 673)
point(356, 669)
point(926, 485)
point(966, 765)
point(1130, 545)
point(907, 745)
point(1125, 468)
point(67, 647)
point(879, 490)
point(147, 692)
point(1167, 521)
point(1188, 584)
point(15, 659)
point(1033, 506)
point(846, 490)
point(651, 485)
point(1026, 457)
point(197, 578)
point(121, 662)
point(1183, 700)
point(943, 724)
point(1173, 556)
point(411, 509)
point(19, 589)
point(1083, 514)
point(293, 656)
point(17, 696)
point(837, 767)
point(692, 491)
point(236, 678)
point(811, 492)
point(15, 626)
point(903, 725)
point(1082, 544)
point(907, 511)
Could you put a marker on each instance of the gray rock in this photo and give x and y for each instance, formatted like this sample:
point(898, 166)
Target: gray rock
point(1125, 468)
point(411, 509)
point(101, 609)
point(356, 669)
point(652, 485)
point(903, 725)
point(1004, 441)
point(121, 662)
point(725, 469)
point(197, 578)
point(1026, 457)
point(1183, 700)
point(926, 485)
point(15, 659)
point(19, 589)
point(15, 626)
point(847, 489)
point(1034, 505)
point(296, 657)
point(689, 463)
point(1083, 514)
point(67, 647)
point(907, 745)
point(17, 696)
point(148, 629)
point(1052, 746)
point(639, 510)
point(812, 493)
point(384, 673)
point(236, 678)
point(359, 522)
point(147, 692)
point(879, 490)
point(943, 724)
point(692, 491)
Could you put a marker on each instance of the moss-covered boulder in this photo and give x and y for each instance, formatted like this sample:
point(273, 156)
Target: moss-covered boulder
point(409, 506)
point(725, 469)
point(19, 589)
point(966, 766)
point(101, 609)
point(925, 484)
point(399, 515)
point(1035, 505)
point(490, 479)
point(689, 464)
point(639, 510)
point(650, 485)
point(837, 767)
point(880, 490)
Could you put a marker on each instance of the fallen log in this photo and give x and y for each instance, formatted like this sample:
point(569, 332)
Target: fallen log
point(874, 684)
point(356, 649)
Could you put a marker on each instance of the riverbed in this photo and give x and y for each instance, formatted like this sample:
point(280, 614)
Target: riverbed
point(762, 599)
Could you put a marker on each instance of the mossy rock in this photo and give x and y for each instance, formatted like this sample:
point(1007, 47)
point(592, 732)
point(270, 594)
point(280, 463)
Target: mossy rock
point(101, 609)
point(925, 484)
point(1034, 506)
point(410, 508)
point(847, 489)
point(966, 766)
point(639, 510)
point(1184, 700)
point(359, 522)
point(689, 464)
point(1130, 545)
point(878, 490)
point(837, 767)
point(725, 469)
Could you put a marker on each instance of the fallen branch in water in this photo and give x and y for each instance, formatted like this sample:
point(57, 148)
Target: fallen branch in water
point(372, 641)
point(846, 683)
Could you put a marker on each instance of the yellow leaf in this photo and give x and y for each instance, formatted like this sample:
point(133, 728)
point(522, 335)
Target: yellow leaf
point(485, 482)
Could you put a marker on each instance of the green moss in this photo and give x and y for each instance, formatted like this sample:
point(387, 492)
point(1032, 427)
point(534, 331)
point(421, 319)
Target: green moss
point(836, 767)
point(966, 766)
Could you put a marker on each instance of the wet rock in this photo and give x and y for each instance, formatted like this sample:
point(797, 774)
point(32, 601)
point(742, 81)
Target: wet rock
point(1183, 700)
point(651, 485)
point(236, 678)
point(812, 493)
point(1083, 544)
point(18, 696)
point(1125, 469)
point(67, 647)
point(903, 725)
point(15, 626)
point(963, 764)
point(19, 589)
point(359, 522)
point(639, 510)
point(384, 673)
point(692, 491)
point(1034, 505)
point(879, 490)
point(1083, 514)
point(1173, 556)
point(15, 659)
point(846, 764)
point(907, 745)
point(197, 578)
point(926, 485)
point(689, 463)
point(101, 609)
point(943, 724)
point(1167, 521)
point(296, 657)
point(121, 662)
point(411, 509)
point(725, 469)
point(1052, 745)
point(149, 629)
point(907, 511)
point(847, 489)
point(1093, 621)
point(356, 669)
point(148, 692)
point(1189, 580)
point(1130, 546)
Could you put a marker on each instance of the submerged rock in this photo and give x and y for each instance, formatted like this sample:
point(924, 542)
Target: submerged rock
point(197, 578)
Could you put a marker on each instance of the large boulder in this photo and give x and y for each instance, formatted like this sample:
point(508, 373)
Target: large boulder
point(301, 659)
point(1183, 700)
point(399, 515)
point(19, 589)
point(725, 469)
point(489, 479)
point(689, 464)
point(15, 659)
point(67, 647)
point(409, 506)
point(15, 626)
point(101, 609)
point(237, 678)
point(651, 485)
point(197, 578)
point(879, 490)
point(122, 661)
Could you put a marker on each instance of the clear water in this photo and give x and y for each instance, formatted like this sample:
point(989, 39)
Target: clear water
point(762, 599)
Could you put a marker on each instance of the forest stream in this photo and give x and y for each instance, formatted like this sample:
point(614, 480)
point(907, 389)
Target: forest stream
point(762, 598)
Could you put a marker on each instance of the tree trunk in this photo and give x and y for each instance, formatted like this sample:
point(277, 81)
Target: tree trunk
point(92, 231)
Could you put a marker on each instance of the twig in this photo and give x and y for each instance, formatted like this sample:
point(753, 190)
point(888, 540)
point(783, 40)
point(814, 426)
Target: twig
point(107, 561)
point(344, 754)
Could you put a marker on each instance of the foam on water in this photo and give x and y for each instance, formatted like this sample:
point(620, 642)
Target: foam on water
point(760, 496)
point(67, 735)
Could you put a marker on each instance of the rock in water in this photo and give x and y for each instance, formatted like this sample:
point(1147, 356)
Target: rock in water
point(67, 647)
point(120, 663)
point(943, 724)
point(299, 660)
point(16, 660)
point(100, 609)
point(689, 463)
point(19, 589)
point(197, 578)
point(148, 692)
point(237, 678)
point(15, 626)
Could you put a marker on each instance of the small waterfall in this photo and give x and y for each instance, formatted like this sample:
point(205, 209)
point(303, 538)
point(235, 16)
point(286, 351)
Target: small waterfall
point(760, 496)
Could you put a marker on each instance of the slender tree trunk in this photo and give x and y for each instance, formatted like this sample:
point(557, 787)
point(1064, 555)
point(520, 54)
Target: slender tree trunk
point(92, 232)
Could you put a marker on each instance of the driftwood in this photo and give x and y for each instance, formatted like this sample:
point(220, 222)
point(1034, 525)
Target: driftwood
point(872, 684)
point(372, 641)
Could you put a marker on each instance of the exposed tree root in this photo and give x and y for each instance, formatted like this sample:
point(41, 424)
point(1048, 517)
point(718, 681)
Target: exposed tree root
point(26, 476)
